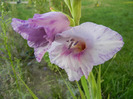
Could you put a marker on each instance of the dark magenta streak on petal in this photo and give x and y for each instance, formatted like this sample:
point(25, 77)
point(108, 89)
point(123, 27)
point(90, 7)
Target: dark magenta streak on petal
point(40, 31)
point(78, 55)
point(36, 15)
point(66, 51)
point(35, 35)
point(52, 21)
point(106, 29)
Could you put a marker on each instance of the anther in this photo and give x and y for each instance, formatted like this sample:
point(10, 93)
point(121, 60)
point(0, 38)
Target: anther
point(72, 40)
point(70, 45)
point(76, 43)
point(67, 41)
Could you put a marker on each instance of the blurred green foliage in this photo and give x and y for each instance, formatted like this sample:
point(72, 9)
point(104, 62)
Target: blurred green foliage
point(60, 5)
point(41, 6)
point(53, 67)
point(7, 6)
point(117, 15)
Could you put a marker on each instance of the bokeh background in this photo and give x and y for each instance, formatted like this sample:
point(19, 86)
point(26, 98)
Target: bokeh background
point(43, 78)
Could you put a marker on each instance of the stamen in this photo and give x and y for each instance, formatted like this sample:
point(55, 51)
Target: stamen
point(76, 43)
point(72, 40)
point(67, 41)
point(70, 45)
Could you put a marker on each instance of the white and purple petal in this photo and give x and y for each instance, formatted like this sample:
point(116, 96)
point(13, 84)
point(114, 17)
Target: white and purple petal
point(74, 66)
point(53, 22)
point(41, 30)
point(106, 42)
point(101, 44)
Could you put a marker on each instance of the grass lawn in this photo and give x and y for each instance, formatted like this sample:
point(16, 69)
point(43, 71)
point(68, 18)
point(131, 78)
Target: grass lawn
point(117, 74)
point(118, 15)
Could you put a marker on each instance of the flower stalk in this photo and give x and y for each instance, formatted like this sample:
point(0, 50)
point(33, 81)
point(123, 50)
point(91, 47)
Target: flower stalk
point(75, 9)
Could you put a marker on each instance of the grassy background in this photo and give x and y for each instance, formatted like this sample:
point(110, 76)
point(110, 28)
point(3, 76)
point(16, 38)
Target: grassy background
point(118, 15)
point(116, 74)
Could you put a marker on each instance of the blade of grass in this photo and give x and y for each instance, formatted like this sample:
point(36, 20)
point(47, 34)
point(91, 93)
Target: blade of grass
point(8, 48)
point(81, 92)
point(85, 87)
point(109, 65)
point(99, 84)
point(92, 86)
point(74, 97)
point(33, 95)
point(108, 96)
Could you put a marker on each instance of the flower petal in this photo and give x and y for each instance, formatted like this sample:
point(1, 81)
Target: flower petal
point(101, 44)
point(36, 36)
point(53, 22)
point(74, 66)
point(41, 30)
point(106, 42)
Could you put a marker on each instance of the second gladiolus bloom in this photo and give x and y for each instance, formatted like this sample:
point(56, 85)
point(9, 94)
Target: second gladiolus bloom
point(41, 30)
point(74, 49)
point(78, 49)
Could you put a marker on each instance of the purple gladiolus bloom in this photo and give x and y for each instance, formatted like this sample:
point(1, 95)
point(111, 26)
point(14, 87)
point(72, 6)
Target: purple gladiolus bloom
point(78, 49)
point(40, 31)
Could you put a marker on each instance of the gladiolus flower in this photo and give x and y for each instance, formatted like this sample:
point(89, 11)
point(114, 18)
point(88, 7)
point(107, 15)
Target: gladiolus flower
point(40, 31)
point(78, 49)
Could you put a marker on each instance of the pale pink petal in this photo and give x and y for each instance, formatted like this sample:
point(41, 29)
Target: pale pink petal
point(106, 42)
point(53, 22)
point(99, 45)
point(36, 36)
point(74, 66)
point(41, 30)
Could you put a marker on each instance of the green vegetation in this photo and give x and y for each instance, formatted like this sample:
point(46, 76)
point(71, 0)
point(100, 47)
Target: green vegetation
point(43, 78)
point(116, 14)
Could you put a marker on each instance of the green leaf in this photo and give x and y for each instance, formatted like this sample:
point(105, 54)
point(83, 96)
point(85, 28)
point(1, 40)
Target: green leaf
point(76, 10)
point(74, 97)
point(92, 86)
point(68, 3)
point(85, 87)
point(33, 95)
point(81, 92)
point(99, 83)
point(108, 96)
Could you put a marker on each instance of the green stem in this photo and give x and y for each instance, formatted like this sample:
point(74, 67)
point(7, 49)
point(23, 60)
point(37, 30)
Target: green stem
point(99, 83)
point(77, 22)
point(108, 66)
point(4, 29)
point(74, 97)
